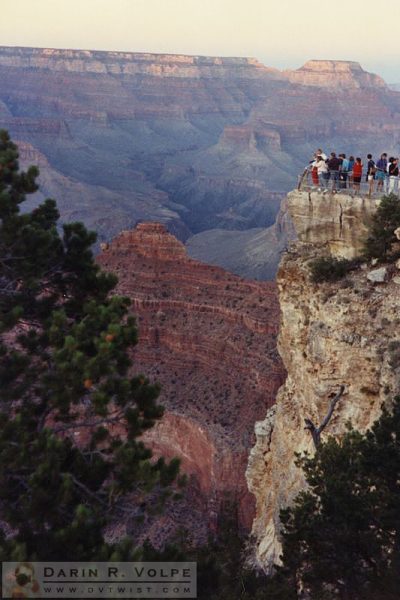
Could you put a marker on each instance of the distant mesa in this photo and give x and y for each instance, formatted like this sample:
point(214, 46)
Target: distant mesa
point(341, 73)
point(314, 72)
point(151, 240)
point(130, 63)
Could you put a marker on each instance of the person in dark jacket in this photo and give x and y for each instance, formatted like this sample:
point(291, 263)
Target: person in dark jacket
point(370, 167)
point(370, 175)
point(334, 165)
point(381, 168)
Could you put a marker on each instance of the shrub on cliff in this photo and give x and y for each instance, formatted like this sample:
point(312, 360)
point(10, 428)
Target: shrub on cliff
point(341, 537)
point(64, 369)
point(328, 268)
point(381, 238)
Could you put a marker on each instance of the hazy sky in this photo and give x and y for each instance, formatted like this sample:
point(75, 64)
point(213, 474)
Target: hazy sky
point(281, 33)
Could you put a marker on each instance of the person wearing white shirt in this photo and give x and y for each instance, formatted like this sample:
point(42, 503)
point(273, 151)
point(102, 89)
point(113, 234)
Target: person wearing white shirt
point(321, 154)
point(323, 172)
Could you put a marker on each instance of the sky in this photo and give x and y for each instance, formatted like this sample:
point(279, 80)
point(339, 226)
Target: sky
point(280, 33)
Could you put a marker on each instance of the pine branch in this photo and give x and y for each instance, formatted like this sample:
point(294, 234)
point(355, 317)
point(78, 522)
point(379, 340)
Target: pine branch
point(86, 424)
point(87, 491)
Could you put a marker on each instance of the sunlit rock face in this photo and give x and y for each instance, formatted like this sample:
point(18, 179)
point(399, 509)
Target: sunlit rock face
point(331, 334)
point(336, 221)
point(335, 73)
point(209, 338)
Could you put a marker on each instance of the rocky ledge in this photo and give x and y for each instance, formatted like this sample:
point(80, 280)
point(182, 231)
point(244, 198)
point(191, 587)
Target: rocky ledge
point(332, 334)
point(338, 222)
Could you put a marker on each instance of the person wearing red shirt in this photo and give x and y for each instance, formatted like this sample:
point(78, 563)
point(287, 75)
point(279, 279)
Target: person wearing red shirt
point(357, 173)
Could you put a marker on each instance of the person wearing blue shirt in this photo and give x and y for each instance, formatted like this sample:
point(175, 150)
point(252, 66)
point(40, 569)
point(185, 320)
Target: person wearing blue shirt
point(343, 171)
point(381, 167)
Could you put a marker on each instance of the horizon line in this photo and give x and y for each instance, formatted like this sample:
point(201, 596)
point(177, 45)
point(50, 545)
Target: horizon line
point(214, 56)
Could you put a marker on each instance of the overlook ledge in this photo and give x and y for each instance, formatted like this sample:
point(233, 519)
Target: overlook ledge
point(336, 221)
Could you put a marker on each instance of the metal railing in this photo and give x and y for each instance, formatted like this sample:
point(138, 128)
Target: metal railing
point(370, 189)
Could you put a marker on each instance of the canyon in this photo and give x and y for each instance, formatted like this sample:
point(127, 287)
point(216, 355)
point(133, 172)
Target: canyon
point(209, 146)
point(209, 338)
point(331, 334)
point(175, 159)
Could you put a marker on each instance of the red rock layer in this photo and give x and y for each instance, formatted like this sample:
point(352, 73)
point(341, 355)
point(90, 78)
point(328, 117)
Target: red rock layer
point(209, 338)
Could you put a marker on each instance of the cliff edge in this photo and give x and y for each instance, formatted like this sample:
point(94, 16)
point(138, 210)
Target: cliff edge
point(331, 334)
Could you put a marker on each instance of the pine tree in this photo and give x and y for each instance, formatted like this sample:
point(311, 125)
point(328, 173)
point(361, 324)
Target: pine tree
point(341, 538)
point(381, 237)
point(65, 375)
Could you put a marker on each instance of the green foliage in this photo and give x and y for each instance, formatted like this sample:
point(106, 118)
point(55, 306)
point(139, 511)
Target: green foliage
point(381, 238)
point(71, 415)
point(222, 571)
point(341, 538)
point(330, 268)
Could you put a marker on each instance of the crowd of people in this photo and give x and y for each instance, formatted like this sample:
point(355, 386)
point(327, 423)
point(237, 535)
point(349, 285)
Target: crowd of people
point(340, 172)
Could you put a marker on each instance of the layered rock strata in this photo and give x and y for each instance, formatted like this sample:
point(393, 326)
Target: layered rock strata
point(209, 338)
point(338, 73)
point(331, 334)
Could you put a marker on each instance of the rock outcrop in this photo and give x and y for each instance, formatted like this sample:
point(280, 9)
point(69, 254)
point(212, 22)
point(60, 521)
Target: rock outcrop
point(339, 221)
point(331, 334)
point(209, 338)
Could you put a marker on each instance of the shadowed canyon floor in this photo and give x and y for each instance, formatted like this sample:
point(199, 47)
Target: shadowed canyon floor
point(206, 145)
point(209, 338)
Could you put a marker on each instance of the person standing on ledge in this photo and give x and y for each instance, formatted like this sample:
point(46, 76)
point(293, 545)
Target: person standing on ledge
point(314, 172)
point(381, 167)
point(343, 172)
point(351, 165)
point(393, 176)
point(323, 173)
point(334, 165)
point(321, 154)
point(357, 173)
point(370, 176)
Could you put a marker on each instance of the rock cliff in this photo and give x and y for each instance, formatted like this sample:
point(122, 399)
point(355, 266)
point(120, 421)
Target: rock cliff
point(338, 222)
point(209, 338)
point(131, 63)
point(331, 334)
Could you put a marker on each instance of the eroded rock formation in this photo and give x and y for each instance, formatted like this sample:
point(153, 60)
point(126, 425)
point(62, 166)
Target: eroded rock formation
point(331, 334)
point(209, 338)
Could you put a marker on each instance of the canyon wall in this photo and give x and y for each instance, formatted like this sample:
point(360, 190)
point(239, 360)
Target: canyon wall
point(209, 338)
point(207, 145)
point(331, 334)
